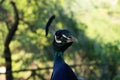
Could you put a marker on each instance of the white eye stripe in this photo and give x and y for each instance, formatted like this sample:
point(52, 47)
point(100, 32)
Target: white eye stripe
point(65, 36)
point(58, 41)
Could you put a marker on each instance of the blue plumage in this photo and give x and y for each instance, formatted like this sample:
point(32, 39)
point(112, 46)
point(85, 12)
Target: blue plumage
point(61, 71)
point(62, 40)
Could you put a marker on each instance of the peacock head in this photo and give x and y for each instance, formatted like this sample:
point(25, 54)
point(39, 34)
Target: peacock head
point(62, 40)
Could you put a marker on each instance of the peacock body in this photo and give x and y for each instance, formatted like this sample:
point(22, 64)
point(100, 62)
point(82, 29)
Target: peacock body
point(62, 40)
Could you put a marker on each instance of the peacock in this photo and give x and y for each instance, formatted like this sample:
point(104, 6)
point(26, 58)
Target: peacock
point(62, 40)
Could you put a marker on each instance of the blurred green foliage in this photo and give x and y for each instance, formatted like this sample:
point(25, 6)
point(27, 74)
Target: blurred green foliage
point(94, 23)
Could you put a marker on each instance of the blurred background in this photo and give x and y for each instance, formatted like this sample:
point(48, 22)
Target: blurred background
point(95, 23)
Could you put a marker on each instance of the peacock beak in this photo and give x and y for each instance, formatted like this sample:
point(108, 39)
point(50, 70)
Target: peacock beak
point(72, 39)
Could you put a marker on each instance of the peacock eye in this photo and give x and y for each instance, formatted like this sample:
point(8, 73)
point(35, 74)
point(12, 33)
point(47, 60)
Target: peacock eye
point(58, 35)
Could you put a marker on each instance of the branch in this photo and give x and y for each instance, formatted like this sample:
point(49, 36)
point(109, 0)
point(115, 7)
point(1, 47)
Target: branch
point(14, 26)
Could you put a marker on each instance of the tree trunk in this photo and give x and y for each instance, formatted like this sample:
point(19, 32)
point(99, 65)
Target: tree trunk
point(8, 61)
point(7, 53)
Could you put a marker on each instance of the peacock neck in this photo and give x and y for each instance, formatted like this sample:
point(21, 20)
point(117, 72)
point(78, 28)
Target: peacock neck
point(58, 56)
